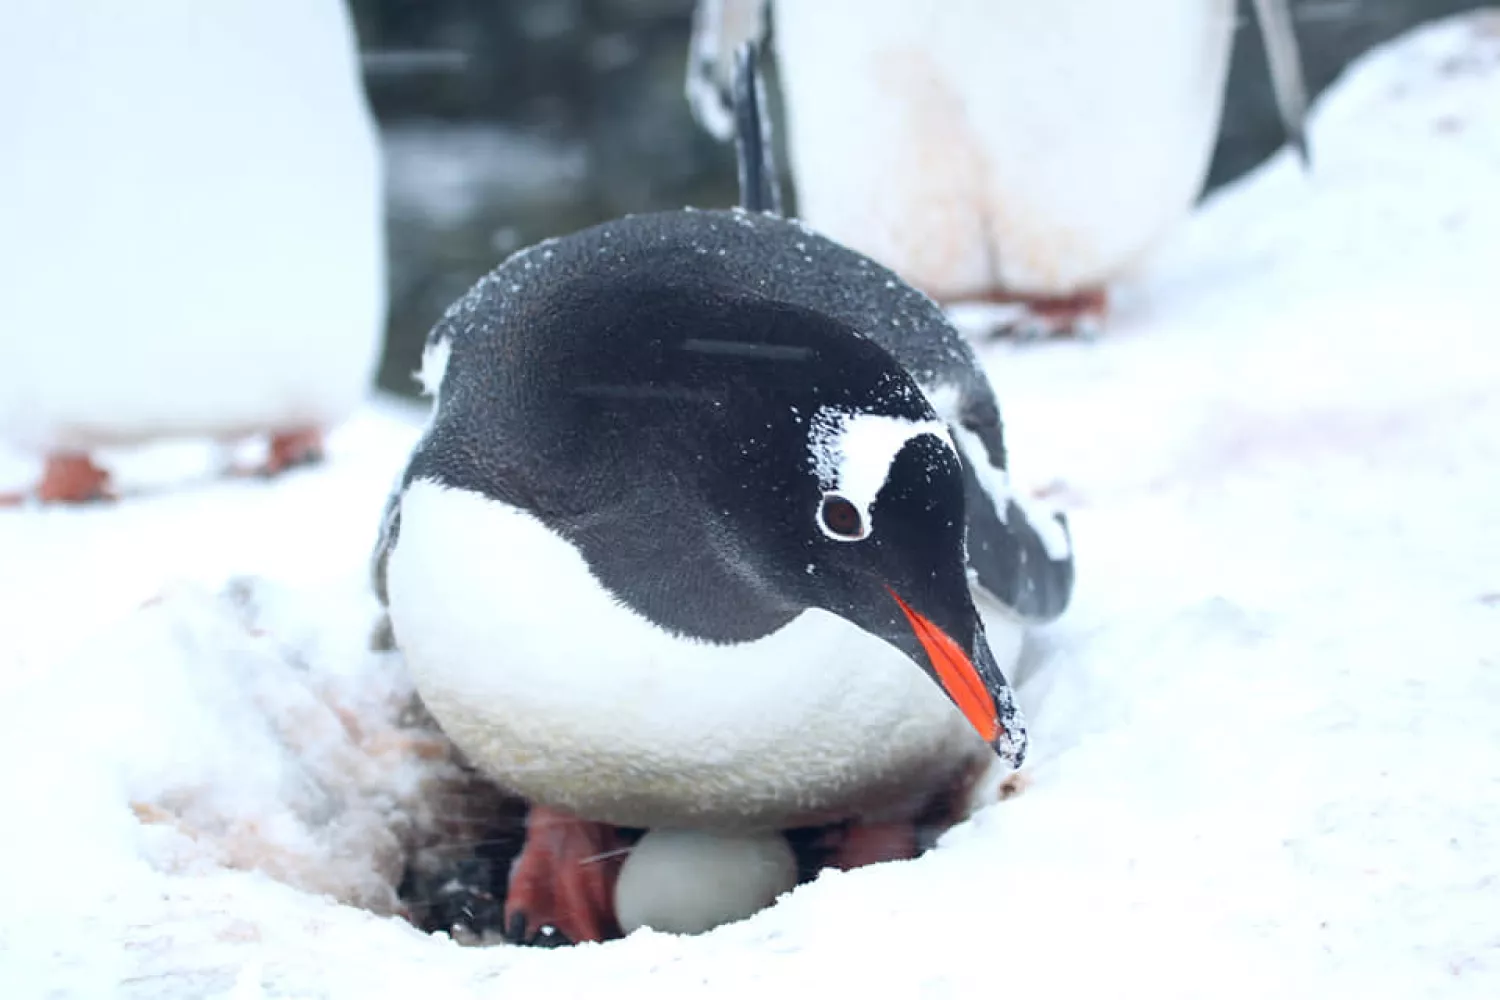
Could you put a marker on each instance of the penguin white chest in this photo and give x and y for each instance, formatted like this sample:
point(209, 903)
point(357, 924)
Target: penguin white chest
point(570, 698)
point(977, 146)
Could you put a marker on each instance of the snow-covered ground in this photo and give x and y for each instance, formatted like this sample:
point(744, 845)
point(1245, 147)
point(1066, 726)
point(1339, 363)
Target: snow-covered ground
point(1266, 748)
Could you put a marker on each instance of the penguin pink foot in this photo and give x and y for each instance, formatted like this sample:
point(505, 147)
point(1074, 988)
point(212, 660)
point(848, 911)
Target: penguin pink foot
point(1079, 314)
point(562, 885)
point(861, 844)
point(293, 448)
point(286, 450)
point(72, 477)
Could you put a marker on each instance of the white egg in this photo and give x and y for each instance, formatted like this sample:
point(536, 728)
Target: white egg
point(690, 881)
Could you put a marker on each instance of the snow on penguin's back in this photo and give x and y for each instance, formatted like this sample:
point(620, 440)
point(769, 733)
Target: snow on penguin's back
point(192, 238)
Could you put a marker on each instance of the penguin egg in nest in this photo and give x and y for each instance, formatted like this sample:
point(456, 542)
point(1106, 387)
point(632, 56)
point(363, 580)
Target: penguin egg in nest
point(690, 881)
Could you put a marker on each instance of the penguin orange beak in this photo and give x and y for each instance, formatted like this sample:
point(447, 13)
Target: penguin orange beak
point(957, 674)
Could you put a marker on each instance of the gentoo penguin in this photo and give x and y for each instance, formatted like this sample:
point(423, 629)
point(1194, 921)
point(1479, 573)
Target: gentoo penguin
point(696, 542)
point(999, 150)
point(193, 229)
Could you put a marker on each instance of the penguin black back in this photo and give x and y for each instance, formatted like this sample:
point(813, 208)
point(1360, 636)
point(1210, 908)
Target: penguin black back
point(748, 272)
point(758, 256)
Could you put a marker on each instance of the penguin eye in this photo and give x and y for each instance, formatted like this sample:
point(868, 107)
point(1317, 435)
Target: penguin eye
point(841, 519)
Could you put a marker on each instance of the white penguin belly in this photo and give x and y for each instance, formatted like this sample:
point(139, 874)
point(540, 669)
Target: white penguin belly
point(193, 221)
point(975, 145)
point(569, 698)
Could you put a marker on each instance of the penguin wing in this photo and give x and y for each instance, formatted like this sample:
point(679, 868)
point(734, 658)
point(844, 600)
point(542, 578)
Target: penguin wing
point(434, 366)
point(1020, 552)
point(760, 187)
point(390, 524)
point(720, 30)
point(1285, 61)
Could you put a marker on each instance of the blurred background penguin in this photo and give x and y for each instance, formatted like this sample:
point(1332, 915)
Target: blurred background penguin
point(193, 228)
point(999, 150)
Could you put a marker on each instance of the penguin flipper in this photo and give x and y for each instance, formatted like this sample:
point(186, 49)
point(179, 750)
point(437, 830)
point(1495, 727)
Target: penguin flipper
point(720, 29)
point(1020, 553)
point(1285, 60)
point(760, 187)
point(390, 526)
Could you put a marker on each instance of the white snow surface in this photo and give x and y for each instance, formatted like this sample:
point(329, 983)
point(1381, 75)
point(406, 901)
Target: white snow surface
point(1266, 756)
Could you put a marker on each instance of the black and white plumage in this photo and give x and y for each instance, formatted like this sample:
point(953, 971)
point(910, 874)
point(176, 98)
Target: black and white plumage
point(694, 535)
point(588, 380)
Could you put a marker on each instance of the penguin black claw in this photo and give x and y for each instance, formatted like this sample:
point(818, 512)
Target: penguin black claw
point(548, 936)
point(518, 932)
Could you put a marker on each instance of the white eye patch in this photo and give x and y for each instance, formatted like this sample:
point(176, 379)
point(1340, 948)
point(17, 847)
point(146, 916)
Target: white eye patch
point(434, 365)
point(851, 454)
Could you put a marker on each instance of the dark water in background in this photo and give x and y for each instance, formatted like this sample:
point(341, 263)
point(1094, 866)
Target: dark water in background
point(507, 121)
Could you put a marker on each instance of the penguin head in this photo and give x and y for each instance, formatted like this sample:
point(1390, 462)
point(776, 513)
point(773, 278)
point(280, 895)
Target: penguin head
point(886, 533)
point(724, 464)
point(885, 540)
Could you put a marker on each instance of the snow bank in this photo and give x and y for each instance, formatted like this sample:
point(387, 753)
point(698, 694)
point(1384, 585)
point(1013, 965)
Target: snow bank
point(1265, 761)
